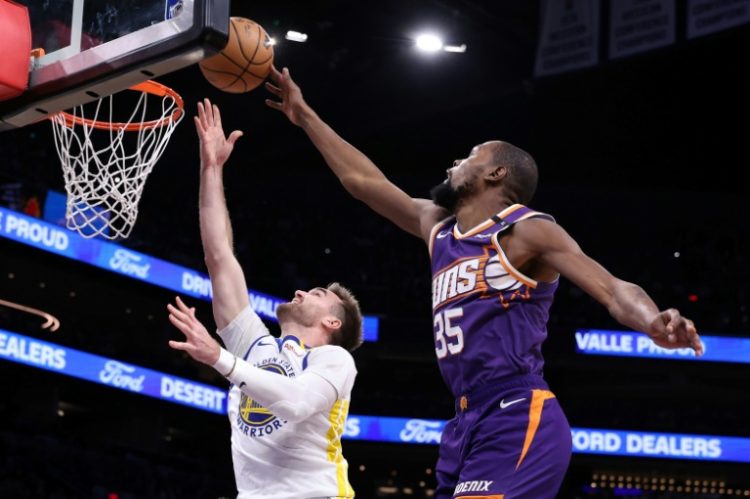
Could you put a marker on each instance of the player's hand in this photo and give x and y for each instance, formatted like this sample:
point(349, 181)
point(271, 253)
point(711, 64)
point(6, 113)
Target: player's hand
point(215, 147)
point(671, 330)
point(291, 102)
point(198, 343)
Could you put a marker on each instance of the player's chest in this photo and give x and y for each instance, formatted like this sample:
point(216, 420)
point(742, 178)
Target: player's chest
point(286, 358)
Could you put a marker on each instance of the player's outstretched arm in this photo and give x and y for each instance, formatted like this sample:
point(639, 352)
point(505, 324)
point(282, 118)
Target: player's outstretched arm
point(227, 279)
point(628, 303)
point(357, 173)
point(294, 399)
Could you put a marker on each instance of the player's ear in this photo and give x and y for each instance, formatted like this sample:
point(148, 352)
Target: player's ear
point(496, 174)
point(331, 323)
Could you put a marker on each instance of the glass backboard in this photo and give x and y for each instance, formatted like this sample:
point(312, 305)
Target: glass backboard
point(94, 48)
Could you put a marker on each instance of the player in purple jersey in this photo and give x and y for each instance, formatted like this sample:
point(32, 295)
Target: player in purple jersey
point(495, 265)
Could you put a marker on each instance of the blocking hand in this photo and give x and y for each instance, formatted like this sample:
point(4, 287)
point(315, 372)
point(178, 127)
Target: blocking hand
point(291, 104)
point(672, 330)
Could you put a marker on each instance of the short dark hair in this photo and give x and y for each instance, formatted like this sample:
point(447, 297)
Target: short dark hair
point(349, 335)
point(523, 173)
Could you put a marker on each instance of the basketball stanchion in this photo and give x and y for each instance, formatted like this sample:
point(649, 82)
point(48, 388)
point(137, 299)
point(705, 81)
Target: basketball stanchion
point(106, 162)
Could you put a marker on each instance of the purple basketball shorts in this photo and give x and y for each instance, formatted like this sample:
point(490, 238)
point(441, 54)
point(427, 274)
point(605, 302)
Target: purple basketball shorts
point(509, 440)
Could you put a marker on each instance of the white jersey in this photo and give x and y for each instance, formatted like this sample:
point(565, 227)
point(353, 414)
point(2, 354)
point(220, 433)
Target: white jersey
point(273, 457)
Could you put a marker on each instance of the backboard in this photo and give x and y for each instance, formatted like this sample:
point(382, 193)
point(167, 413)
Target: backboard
point(94, 48)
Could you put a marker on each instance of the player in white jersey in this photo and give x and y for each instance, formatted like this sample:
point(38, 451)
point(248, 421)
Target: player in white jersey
point(289, 397)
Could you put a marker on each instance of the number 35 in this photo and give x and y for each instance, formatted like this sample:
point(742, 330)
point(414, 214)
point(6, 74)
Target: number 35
point(449, 339)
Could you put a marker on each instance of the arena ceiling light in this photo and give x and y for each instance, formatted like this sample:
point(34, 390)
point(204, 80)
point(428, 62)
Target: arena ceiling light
point(296, 36)
point(456, 49)
point(432, 43)
point(428, 42)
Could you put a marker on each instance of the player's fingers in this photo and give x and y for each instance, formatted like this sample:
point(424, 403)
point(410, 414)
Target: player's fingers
point(275, 75)
point(234, 136)
point(274, 105)
point(685, 329)
point(209, 112)
point(217, 115)
point(180, 323)
point(198, 126)
point(173, 312)
point(188, 311)
point(695, 343)
point(201, 113)
point(273, 89)
point(287, 74)
point(671, 318)
point(695, 339)
point(181, 305)
point(179, 345)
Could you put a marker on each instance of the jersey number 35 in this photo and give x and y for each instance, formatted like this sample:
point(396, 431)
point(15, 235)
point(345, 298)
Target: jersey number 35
point(449, 339)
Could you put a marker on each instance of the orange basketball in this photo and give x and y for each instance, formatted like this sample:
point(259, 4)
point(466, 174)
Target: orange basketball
point(245, 61)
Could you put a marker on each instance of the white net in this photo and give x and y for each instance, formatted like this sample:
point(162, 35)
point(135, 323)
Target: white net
point(106, 163)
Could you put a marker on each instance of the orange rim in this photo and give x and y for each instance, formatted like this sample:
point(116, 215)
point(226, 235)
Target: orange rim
point(149, 87)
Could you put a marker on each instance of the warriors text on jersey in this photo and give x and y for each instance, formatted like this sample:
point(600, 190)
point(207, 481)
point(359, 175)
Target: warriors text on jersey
point(489, 319)
point(275, 458)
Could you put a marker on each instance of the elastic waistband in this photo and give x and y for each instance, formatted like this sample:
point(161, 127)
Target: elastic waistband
point(478, 396)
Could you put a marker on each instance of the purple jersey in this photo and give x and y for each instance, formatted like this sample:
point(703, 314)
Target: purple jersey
point(489, 319)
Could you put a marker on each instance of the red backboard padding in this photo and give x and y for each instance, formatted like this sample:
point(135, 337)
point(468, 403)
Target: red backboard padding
point(15, 43)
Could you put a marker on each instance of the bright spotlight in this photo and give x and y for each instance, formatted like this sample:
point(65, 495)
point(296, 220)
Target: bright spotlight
point(296, 36)
point(429, 43)
point(271, 41)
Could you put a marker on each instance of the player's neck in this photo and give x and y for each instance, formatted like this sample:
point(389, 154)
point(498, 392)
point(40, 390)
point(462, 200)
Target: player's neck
point(480, 208)
point(310, 337)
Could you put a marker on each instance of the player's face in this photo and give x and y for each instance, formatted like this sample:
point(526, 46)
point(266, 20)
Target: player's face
point(310, 307)
point(462, 178)
point(465, 172)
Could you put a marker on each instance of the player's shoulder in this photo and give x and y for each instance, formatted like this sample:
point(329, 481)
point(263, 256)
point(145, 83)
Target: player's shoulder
point(521, 213)
point(537, 221)
point(332, 355)
point(539, 230)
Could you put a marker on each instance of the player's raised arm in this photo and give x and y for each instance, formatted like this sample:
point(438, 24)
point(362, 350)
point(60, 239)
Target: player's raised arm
point(357, 173)
point(227, 279)
point(626, 302)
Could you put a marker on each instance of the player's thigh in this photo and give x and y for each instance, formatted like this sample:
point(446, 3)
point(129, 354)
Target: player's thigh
point(518, 451)
point(449, 461)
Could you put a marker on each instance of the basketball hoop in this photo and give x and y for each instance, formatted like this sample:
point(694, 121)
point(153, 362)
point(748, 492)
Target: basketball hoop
point(106, 162)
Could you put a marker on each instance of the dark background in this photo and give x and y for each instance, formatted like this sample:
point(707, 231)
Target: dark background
point(639, 158)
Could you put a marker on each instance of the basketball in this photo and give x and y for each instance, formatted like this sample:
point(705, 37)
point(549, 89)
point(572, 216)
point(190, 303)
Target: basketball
point(246, 60)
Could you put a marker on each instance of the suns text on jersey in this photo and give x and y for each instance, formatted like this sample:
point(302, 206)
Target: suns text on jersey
point(458, 279)
point(484, 274)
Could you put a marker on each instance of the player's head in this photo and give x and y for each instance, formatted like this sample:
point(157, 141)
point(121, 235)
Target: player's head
point(349, 335)
point(494, 165)
point(333, 311)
